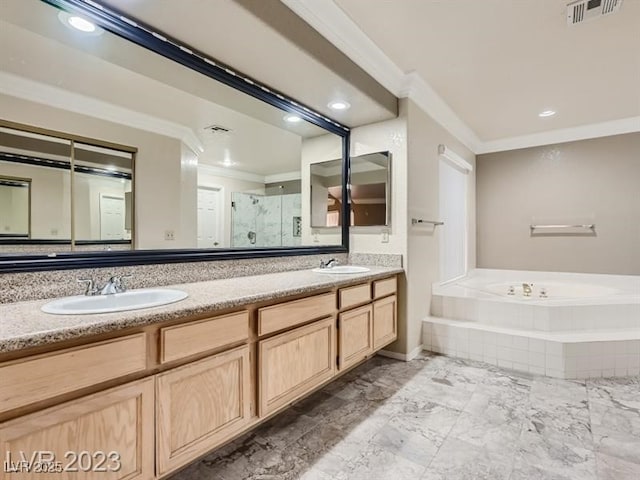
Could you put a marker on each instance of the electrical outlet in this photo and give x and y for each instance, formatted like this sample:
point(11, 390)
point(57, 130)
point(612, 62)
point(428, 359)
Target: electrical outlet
point(385, 236)
point(315, 238)
point(169, 235)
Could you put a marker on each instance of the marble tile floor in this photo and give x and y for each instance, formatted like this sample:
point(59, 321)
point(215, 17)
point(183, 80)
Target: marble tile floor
point(441, 418)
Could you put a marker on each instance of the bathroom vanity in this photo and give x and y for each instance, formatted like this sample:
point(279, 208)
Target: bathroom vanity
point(139, 394)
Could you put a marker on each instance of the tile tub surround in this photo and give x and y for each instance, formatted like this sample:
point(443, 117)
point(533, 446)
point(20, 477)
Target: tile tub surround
point(571, 337)
point(440, 418)
point(24, 325)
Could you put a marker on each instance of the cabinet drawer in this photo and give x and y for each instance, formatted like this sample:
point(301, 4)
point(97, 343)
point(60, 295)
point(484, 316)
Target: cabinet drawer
point(201, 405)
point(115, 427)
point(294, 363)
point(385, 321)
point(180, 341)
point(382, 288)
point(45, 376)
point(286, 315)
point(352, 296)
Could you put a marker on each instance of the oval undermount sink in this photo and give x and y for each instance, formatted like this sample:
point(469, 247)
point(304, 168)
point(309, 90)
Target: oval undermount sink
point(118, 302)
point(342, 269)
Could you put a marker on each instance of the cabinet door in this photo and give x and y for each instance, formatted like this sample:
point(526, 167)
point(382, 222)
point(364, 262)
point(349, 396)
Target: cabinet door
point(355, 335)
point(295, 362)
point(201, 405)
point(385, 321)
point(107, 435)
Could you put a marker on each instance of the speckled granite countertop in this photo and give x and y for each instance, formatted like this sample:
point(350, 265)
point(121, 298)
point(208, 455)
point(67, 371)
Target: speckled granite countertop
point(24, 325)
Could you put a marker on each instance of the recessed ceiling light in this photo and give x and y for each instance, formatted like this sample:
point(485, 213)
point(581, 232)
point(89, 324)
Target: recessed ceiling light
point(82, 24)
point(292, 118)
point(78, 23)
point(339, 105)
point(547, 113)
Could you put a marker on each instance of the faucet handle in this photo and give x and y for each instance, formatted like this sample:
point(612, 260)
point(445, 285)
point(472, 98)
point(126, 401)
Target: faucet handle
point(122, 282)
point(91, 286)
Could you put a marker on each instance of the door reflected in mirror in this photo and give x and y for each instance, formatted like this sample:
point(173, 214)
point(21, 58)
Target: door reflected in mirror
point(369, 189)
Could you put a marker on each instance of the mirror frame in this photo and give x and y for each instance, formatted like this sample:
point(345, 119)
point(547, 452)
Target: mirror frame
point(147, 37)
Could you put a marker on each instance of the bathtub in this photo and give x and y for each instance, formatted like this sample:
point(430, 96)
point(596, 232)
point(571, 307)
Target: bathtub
point(569, 326)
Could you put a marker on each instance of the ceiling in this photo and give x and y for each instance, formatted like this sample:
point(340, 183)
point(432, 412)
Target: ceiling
point(266, 41)
point(495, 63)
point(132, 81)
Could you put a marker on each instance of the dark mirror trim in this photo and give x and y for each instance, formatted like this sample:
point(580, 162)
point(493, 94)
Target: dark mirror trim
point(156, 41)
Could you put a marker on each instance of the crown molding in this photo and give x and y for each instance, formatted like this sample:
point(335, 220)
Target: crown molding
point(230, 173)
point(563, 135)
point(283, 177)
point(26, 89)
point(338, 28)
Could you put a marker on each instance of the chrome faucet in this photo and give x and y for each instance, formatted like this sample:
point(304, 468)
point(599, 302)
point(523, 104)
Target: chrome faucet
point(328, 264)
point(114, 285)
point(526, 289)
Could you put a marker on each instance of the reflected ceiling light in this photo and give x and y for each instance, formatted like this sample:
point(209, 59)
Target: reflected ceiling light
point(339, 105)
point(78, 23)
point(81, 24)
point(292, 118)
point(547, 113)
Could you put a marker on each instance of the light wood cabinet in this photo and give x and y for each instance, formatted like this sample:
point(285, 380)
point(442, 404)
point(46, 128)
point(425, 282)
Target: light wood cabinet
point(178, 409)
point(294, 363)
point(117, 423)
point(200, 405)
point(37, 378)
point(291, 314)
point(387, 286)
point(180, 341)
point(352, 296)
point(355, 336)
point(385, 321)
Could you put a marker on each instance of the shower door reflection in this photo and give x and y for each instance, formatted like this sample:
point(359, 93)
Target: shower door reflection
point(265, 220)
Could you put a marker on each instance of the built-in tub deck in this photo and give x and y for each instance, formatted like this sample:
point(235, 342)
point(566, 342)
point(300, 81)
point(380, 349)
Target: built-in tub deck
point(571, 325)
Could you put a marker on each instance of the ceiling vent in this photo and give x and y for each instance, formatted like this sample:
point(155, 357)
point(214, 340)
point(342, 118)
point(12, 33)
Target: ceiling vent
point(218, 129)
point(584, 10)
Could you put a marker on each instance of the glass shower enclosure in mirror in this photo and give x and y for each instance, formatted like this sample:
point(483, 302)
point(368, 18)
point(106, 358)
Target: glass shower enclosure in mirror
point(369, 187)
point(215, 168)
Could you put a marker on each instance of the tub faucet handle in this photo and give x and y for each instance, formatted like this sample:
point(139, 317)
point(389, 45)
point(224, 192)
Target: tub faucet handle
point(511, 290)
point(543, 292)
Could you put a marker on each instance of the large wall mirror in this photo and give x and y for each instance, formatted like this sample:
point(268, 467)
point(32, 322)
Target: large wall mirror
point(369, 189)
point(218, 158)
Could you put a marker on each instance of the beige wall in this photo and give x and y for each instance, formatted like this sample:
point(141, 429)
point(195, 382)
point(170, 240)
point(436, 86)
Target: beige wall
point(595, 180)
point(166, 172)
point(422, 260)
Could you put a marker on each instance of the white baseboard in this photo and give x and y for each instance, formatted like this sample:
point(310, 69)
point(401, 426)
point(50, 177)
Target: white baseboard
point(407, 357)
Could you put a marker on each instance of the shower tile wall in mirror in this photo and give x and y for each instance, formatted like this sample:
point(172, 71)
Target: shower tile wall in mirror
point(214, 167)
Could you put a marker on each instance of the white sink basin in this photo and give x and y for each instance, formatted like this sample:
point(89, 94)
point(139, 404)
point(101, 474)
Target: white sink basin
point(342, 269)
point(119, 302)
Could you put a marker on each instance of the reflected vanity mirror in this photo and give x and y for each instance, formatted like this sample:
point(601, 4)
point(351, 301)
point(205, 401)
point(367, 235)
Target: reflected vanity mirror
point(369, 188)
point(218, 158)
